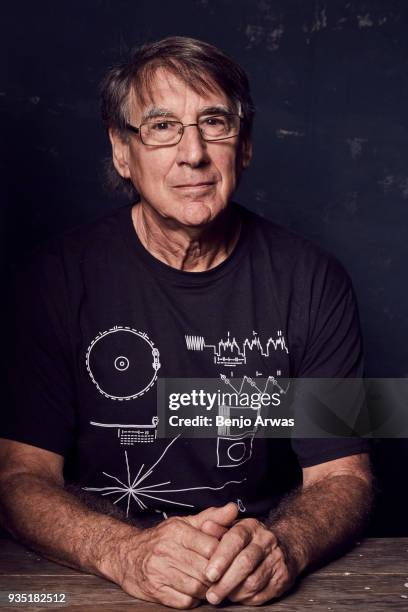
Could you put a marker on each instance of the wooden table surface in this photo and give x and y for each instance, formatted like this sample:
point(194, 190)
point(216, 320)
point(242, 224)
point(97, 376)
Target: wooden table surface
point(372, 577)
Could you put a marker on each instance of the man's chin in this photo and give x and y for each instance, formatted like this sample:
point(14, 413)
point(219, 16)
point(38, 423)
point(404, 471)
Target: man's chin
point(198, 214)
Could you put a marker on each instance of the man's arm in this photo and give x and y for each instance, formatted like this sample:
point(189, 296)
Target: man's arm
point(328, 512)
point(255, 562)
point(165, 563)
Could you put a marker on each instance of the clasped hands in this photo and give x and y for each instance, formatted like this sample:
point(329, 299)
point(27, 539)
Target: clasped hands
point(212, 556)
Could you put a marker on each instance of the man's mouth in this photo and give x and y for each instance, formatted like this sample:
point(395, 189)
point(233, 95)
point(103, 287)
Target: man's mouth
point(194, 185)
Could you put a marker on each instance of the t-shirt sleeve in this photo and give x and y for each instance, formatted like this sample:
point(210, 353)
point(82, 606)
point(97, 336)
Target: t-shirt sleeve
point(333, 349)
point(42, 406)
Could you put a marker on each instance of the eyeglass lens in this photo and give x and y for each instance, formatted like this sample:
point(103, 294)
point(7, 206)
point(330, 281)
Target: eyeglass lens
point(164, 131)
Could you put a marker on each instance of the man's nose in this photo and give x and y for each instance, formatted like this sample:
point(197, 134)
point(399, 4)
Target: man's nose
point(192, 149)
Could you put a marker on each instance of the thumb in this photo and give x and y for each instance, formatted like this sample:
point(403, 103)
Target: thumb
point(222, 515)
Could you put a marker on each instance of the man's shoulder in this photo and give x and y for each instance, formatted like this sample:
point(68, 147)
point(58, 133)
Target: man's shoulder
point(90, 238)
point(91, 241)
point(289, 250)
point(280, 238)
point(97, 233)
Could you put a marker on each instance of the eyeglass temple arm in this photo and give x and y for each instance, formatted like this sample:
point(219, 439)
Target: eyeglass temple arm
point(132, 128)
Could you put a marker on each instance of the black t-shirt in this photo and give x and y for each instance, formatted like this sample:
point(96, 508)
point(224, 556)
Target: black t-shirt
point(99, 319)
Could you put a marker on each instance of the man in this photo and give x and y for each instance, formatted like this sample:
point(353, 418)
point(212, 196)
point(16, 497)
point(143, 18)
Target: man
point(184, 283)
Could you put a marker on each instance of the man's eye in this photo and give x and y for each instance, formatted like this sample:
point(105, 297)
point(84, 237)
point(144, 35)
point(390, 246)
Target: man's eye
point(215, 121)
point(161, 126)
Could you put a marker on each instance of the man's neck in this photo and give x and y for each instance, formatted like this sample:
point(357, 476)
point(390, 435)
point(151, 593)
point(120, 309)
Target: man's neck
point(190, 249)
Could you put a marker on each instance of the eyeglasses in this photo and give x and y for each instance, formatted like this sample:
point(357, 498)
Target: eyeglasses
point(161, 132)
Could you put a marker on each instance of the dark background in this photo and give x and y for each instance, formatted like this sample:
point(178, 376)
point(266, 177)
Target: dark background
point(330, 82)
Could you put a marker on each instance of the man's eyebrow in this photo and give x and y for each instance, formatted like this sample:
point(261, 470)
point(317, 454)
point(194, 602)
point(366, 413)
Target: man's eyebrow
point(159, 111)
point(156, 111)
point(215, 110)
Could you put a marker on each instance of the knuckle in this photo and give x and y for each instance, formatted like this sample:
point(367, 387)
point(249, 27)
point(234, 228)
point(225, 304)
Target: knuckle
point(268, 536)
point(240, 535)
point(220, 563)
point(199, 591)
point(268, 545)
point(263, 596)
point(166, 525)
point(160, 549)
point(245, 560)
point(235, 598)
point(172, 523)
point(242, 527)
point(188, 584)
point(182, 538)
point(257, 600)
point(273, 536)
point(252, 523)
point(286, 577)
point(209, 548)
point(280, 590)
point(258, 550)
point(177, 523)
point(195, 589)
point(279, 575)
point(253, 582)
point(235, 537)
point(148, 564)
point(184, 602)
point(273, 539)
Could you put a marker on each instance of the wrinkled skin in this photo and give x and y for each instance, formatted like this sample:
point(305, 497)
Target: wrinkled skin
point(211, 555)
point(248, 566)
point(166, 563)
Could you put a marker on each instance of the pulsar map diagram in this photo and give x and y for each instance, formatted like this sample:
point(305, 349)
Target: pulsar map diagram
point(138, 489)
point(229, 352)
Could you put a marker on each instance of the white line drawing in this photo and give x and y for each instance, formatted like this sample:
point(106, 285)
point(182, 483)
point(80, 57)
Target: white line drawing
point(230, 353)
point(271, 380)
point(155, 420)
point(234, 451)
point(240, 505)
point(121, 363)
point(132, 489)
point(113, 374)
point(133, 434)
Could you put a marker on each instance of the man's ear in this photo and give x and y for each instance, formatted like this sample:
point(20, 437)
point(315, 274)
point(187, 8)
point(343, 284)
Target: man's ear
point(120, 153)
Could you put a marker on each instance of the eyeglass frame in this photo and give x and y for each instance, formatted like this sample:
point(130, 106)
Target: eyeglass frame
point(137, 129)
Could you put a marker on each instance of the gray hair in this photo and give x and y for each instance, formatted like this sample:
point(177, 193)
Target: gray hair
point(201, 65)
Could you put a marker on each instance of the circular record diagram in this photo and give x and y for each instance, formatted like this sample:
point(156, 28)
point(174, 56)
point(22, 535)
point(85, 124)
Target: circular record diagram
point(123, 363)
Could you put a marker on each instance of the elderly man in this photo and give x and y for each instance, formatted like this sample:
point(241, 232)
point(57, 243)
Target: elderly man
point(183, 283)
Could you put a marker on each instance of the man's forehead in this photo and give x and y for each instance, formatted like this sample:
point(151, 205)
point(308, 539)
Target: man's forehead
point(164, 92)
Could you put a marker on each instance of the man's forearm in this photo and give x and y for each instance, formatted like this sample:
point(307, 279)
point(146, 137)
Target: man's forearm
point(53, 521)
point(315, 522)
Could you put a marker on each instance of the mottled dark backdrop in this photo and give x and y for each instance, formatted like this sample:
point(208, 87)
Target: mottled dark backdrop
point(330, 80)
